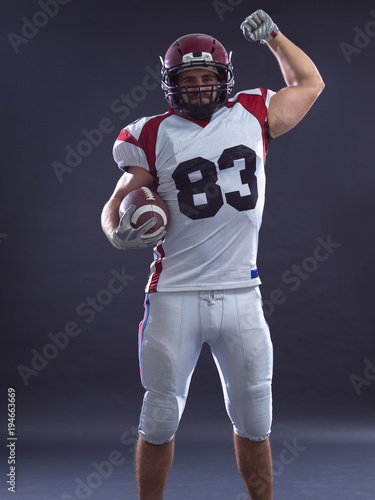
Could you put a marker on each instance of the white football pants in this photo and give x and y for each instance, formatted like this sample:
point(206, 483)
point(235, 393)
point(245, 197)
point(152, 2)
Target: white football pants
point(171, 335)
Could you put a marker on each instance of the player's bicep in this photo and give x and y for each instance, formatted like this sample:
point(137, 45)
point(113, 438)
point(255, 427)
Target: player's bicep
point(288, 106)
point(133, 178)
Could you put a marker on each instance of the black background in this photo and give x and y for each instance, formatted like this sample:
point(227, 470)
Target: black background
point(320, 184)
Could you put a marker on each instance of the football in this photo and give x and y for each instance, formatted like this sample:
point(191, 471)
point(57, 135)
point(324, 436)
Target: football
point(147, 205)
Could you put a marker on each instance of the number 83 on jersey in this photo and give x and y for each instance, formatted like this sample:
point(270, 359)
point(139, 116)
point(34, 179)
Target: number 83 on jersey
point(199, 194)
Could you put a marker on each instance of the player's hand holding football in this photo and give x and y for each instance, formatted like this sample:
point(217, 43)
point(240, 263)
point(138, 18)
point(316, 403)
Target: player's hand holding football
point(259, 27)
point(127, 237)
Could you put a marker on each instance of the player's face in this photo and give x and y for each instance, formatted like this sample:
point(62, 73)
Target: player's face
point(205, 79)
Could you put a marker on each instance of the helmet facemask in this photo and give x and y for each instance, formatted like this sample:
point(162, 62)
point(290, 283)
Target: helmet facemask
point(198, 60)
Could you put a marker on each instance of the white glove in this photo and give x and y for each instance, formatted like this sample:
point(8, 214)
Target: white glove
point(126, 237)
point(259, 27)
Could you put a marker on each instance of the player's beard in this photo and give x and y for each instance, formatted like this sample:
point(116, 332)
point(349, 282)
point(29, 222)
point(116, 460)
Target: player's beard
point(201, 104)
point(201, 112)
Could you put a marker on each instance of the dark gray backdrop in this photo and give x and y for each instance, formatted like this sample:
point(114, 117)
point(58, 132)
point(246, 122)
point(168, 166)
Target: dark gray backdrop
point(69, 77)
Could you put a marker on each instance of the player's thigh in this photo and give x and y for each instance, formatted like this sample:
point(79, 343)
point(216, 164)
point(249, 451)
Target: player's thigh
point(243, 352)
point(243, 355)
point(169, 343)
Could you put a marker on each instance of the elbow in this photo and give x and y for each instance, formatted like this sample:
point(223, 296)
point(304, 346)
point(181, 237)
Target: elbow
point(314, 82)
point(316, 88)
point(319, 84)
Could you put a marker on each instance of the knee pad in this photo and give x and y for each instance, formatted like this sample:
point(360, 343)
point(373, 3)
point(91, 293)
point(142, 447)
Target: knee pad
point(159, 418)
point(252, 414)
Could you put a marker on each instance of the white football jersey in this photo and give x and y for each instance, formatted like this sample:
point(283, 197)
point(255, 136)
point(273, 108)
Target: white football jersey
point(210, 173)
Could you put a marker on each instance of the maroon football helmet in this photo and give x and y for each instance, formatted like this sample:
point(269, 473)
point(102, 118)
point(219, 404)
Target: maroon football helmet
point(197, 51)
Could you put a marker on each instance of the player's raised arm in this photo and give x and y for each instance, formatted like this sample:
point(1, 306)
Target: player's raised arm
point(304, 83)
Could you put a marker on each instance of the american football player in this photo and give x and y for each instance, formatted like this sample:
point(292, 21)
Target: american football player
point(205, 157)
